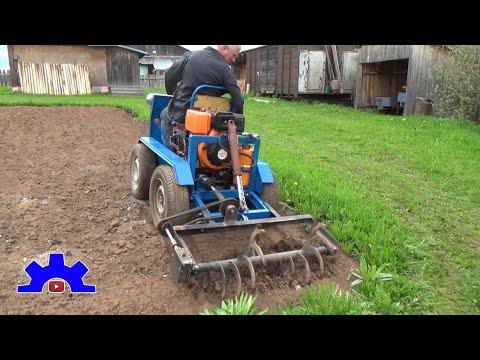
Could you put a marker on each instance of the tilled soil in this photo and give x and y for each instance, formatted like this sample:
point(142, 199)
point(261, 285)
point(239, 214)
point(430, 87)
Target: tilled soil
point(65, 189)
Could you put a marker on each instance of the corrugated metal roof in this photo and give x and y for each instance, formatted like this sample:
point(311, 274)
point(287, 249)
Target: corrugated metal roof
point(245, 48)
point(448, 47)
point(159, 62)
point(254, 48)
point(124, 47)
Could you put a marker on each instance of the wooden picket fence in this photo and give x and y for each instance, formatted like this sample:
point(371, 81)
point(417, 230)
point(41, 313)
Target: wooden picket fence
point(5, 78)
point(152, 80)
point(54, 79)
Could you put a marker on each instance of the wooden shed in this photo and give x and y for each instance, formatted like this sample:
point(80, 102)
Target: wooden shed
point(108, 65)
point(295, 71)
point(391, 71)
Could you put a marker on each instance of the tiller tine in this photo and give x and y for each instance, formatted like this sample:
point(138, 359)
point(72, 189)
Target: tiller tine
point(319, 232)
point(183, 265)
point(254, 256)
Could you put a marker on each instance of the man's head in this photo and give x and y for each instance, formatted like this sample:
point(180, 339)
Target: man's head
point(229, 52)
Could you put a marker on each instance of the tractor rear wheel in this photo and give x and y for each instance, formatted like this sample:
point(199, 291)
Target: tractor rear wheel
point(167, 198)
point(271, 195)
point(142, 164)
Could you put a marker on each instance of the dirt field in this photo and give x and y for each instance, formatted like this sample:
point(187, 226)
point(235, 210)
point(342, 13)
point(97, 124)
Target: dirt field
point(65, 189)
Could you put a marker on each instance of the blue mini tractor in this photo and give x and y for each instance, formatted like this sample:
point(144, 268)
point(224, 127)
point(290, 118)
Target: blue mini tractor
point(210, 178)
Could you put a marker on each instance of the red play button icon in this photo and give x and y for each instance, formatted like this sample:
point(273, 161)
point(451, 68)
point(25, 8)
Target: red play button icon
point(56, 286)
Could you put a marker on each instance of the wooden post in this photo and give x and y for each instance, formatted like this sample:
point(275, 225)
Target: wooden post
point(13, 63)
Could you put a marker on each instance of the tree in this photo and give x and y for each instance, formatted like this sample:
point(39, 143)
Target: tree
point(457, 83)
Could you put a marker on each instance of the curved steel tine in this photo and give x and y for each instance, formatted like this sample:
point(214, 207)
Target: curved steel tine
point(250, 267)
point(317, 238)
point(315, 228)
point(237, 275)
point(253, 240)
point(281, 267)
point(277, 267)
point(256, 233)
point(259, 251)
point(292, 265)
point(307, 268)
point(224, 281)
point(206, 283)
point(289, 267)
point(317, 254)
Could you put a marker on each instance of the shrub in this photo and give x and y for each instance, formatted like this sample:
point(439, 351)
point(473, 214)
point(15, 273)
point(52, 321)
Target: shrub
point(457, 83)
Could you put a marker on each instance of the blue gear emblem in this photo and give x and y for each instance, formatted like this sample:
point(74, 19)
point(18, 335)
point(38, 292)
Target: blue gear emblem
point(56, 268)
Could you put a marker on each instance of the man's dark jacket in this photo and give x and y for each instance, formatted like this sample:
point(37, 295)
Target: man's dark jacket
point(201, 67)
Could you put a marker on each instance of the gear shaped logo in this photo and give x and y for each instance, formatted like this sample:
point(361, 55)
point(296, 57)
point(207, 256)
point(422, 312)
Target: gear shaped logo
point(56, 269)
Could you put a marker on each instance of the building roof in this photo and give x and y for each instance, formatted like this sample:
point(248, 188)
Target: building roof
point(199, 47)
point(142, 53)
point(254, 48)
point(448, 47)
point(159, 62)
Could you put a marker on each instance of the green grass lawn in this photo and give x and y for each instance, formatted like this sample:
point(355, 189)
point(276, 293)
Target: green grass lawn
point(401, 193)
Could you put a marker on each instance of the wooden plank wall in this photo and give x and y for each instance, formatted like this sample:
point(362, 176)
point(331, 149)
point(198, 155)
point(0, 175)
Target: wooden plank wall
point(122, 67)
point(5, 78)
point(152, 80)
point(93, 57)
point(287, 66)
point(420, 74)
point(260, 67)
point(370, 60)
point(258, 70)
point(367, 55)
point(261, 62)
point(287, 74)
point(377, 53)
point(279, 80)
point(421, 61)
point(383, 79)
point(54, 79)
point(251, 66)
point(268, 69)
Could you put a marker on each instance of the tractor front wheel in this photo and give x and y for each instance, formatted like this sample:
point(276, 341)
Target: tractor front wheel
point(167, 198)
point(142, 165)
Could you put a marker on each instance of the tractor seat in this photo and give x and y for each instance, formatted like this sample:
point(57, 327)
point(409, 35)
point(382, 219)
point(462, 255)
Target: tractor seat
point(212, 103)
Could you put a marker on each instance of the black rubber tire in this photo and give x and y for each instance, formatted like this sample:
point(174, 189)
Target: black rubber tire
point(166, 197)
point(142, 164)
point(271, 195)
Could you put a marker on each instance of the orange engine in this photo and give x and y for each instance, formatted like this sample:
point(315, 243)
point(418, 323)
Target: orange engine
point(213, 156)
